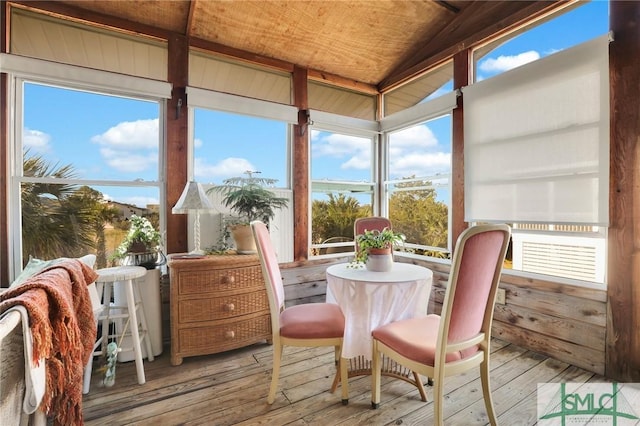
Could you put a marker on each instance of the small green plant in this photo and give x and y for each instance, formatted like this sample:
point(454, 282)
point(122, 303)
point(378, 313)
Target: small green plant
point(249, 198)
point(376, 239)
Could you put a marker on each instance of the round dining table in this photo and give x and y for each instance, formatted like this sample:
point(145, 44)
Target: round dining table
point(371, 299)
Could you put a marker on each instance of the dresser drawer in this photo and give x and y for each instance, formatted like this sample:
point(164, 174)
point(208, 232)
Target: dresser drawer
point(215, 308)
point(206, 281)
point(224, 335)
point(217, 303)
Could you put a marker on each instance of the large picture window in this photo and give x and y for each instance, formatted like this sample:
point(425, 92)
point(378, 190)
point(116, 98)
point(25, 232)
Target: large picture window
point(84, 162)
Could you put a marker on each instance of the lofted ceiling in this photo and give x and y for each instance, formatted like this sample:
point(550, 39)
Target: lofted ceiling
point(378, 43)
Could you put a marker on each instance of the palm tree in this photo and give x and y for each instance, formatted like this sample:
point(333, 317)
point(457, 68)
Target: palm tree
point(91, 201)
point(335, 217)
point(51, 226)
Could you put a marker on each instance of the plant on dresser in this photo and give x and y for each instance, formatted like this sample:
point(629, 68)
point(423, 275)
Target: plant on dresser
point(217, 303)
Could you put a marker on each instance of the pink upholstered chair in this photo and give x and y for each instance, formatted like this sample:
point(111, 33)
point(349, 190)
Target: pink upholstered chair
point(441, 346)
point(369, 223)
point(308, 325)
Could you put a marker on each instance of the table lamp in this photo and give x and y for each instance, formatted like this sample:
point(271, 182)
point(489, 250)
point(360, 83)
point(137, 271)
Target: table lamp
point(193, 199)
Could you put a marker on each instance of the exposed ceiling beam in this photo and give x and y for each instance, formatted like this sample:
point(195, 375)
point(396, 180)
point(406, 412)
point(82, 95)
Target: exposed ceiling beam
point(189, 26)
point(448, 6)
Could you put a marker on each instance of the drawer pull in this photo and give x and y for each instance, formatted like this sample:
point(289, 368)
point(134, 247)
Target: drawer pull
point(230, 307)
point(228, 279)
point(230, 334)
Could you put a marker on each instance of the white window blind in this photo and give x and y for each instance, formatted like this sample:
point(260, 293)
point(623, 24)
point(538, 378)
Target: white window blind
point(537, 141)
point(83, 78)
point(208, 99)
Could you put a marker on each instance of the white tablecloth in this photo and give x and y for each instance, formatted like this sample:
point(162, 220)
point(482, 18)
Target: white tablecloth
point(371, 299)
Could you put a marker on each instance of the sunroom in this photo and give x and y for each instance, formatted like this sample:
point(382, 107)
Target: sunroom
point(437, 115)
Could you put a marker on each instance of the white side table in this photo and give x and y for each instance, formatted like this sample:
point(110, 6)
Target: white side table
point(126, 275)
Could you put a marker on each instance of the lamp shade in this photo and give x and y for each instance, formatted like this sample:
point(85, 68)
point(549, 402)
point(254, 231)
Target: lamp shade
point(193, 198)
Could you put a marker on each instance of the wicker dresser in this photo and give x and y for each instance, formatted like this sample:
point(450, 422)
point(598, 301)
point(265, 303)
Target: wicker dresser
point(217, 303)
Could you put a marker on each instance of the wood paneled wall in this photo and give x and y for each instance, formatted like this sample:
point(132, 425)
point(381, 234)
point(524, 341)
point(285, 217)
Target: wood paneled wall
point(564, 322)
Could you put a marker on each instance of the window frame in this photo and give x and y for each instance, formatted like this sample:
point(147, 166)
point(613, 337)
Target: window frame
point(86, 83)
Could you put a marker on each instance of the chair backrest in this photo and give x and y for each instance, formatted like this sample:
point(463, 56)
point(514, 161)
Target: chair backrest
point(467, 310)
point(369, 223)
point(270, 272)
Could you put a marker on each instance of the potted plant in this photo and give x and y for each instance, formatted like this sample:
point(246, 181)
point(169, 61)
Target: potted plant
point(141, 245)
point(375, 248)
point(250, 199)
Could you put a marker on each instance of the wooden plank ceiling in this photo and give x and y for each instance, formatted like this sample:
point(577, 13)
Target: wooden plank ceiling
point(376, 42)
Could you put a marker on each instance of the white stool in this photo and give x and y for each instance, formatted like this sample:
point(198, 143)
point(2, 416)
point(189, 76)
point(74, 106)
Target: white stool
point(137, 326)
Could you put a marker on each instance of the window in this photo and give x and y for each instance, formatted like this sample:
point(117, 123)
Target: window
point(418, 185)
point(547, 175)
point(228, 145)
point(83, 163)
point(342, 188)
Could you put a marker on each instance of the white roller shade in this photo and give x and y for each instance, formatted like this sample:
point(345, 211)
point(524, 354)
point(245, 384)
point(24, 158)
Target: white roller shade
point(420, 113)
point(537, 141)
point(341, 123)
point(57, 40)
point(208, 99)
point(80, 77)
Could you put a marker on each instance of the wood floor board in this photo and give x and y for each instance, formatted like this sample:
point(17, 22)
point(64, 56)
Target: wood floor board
point(231, 389)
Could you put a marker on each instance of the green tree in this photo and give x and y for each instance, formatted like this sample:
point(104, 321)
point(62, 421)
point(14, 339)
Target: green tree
point(61, 219)
point(335, 217)
point(51, 227)
point(416, 213)
point(100, 213)
point(419, 215)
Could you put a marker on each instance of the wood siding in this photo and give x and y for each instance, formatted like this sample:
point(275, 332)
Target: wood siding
point(561, 321)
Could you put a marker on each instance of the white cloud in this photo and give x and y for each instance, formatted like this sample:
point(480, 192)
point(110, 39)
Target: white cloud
point(337, 145)
point(352, 152)
point(125, 161)
point(504, 63)
point(226, 168)
point(357, 162)
point(130, 135)
point(130, 146)
point(197, 143)
point(416, 136)
point(420, 164)
point(35, 140)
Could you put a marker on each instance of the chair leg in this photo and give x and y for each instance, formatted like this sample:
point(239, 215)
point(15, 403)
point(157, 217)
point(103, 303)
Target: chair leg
point(375, 376)
point(344, 378)
point(338, 354)
point(275, 372)
point(438, 401)
point(486, 391)
point(420, 386)
point(336, 380)
point(86, 383)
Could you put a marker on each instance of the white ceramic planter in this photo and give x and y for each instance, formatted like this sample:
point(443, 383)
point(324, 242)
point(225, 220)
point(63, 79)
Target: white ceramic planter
point(379, 262)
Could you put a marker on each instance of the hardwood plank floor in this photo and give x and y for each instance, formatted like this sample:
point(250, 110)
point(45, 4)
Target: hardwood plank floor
point(231, 389)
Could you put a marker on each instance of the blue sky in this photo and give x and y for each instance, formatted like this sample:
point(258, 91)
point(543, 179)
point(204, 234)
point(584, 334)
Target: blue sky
point(111, 138)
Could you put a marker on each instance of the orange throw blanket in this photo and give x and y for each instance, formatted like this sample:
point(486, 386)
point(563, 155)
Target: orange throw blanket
point(63, 330)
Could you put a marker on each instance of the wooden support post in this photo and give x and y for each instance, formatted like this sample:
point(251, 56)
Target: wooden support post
point(301, 166)
point(177, 142)
point(461, 77)
point(623, 281)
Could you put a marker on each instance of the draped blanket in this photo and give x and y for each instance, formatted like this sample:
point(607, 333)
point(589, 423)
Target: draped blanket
point(63, 331)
